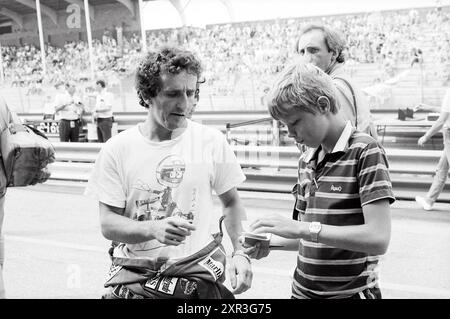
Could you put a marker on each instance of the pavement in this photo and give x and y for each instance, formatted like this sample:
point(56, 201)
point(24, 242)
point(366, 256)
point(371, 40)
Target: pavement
point(55, 249)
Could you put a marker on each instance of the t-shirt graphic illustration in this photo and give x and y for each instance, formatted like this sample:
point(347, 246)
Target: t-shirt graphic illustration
point(159, 204)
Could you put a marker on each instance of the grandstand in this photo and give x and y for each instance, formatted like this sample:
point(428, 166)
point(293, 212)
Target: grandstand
point(240, 59)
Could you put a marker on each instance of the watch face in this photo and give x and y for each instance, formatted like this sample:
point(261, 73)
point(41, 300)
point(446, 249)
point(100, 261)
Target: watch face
point(314, 227)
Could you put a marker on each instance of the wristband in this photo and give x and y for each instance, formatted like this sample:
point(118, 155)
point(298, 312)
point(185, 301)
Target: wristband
point(241, 253)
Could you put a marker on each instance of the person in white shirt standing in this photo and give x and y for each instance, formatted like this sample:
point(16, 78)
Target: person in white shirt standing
point(441, 174)
point(70, 108)
point(103, 112)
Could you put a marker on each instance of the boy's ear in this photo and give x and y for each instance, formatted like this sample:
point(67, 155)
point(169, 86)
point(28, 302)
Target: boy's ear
point(324, 104)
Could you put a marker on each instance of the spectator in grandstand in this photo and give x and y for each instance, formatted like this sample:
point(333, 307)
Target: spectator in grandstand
point(417, 57)
point(154, 183)
point(323, 47)
point(102, 113)
point(5, 119)
point(442, 169)
point(262, 46)
point(69, 107)
point(341, 220)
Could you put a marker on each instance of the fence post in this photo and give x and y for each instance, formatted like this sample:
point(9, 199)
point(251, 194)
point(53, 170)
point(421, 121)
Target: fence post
point(228, 132)
point(275, 133)
point(421, 82)
point(122, 96)
point(21, 97)
point(243, 98)
point(211, 102)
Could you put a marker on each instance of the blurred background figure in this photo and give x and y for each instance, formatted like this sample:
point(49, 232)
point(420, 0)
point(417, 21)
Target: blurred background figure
point(70, 108)
point(103, 114)
point(442, 169)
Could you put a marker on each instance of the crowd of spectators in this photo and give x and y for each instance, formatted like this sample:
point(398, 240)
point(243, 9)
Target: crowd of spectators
point(247, 55)
point(22, 65)
point(256, 51)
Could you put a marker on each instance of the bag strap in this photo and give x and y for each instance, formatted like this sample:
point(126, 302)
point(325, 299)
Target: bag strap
point(295, 212)
point(353, 95)
point(16, 125)
point(35, 131)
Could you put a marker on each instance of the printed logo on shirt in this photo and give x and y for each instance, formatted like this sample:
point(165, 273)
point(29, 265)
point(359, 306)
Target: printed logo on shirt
point(336, 188)
point(168, 285)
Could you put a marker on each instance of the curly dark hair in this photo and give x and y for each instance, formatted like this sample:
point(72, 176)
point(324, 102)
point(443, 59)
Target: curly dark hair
point(154, 64)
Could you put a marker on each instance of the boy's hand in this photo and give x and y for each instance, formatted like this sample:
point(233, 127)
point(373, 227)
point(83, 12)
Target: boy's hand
point(259, 250)
point(256, 249)
point(277, 225)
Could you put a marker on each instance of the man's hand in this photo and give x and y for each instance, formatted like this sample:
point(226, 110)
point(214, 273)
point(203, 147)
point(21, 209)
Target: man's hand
point(422, 140)
point(257, 251)
point(172, 230)
point(277, 225)
point(240, 274)
point(420, 107)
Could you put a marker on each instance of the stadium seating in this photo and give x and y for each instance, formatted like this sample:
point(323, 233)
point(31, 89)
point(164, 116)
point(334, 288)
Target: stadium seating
point(241, 59)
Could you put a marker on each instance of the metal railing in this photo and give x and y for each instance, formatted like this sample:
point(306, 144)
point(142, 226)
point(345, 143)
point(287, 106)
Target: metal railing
point(275, 137)
point(268, 168)
point(256, 128)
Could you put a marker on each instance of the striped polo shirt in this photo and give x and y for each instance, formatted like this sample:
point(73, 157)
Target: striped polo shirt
point(332, 188)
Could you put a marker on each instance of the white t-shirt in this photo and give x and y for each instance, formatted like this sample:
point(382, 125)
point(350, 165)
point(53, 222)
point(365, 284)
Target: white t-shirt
point(103, 103)
point(446, 108)
point(149, 179)
point(73, 109)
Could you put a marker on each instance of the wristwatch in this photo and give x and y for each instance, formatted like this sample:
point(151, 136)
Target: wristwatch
point(314, 230)
point(239, 252)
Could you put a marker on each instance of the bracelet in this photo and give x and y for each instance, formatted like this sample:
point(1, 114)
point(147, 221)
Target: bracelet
point(241, 253)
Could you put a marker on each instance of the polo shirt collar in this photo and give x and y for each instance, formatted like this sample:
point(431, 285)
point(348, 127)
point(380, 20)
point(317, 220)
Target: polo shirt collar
point(340, 146)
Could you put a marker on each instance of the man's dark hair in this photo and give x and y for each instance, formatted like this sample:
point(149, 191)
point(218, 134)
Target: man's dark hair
point(168, 60)
point(333, 40)
point(101, 82)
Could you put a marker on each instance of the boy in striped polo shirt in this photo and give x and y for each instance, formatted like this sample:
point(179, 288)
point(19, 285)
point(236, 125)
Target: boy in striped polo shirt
point(344, 193)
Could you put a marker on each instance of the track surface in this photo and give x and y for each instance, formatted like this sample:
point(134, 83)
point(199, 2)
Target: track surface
point(54, 248)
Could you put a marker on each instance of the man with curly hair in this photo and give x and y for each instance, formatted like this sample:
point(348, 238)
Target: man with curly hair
point(155, 182)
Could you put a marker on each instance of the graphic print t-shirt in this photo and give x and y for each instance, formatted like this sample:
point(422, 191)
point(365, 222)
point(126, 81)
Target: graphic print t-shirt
point(155, 180)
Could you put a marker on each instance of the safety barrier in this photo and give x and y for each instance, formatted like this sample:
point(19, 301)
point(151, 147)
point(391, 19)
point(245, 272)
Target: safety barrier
point(268, 169)
point(262, 130)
